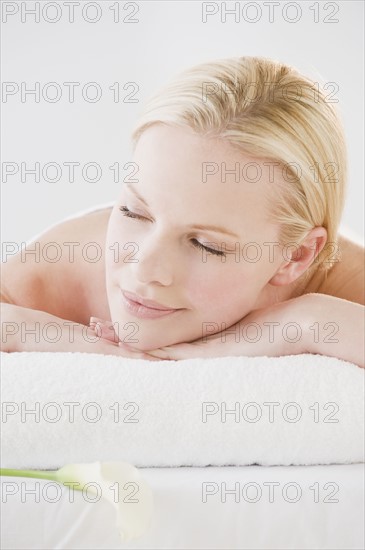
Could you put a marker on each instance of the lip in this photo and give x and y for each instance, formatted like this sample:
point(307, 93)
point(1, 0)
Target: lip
point(151, 304)
point(143, 311)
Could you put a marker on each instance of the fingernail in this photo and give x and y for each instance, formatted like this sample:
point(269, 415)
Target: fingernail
point(94, 319)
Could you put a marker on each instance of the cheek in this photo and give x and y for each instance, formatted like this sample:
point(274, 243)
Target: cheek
point(121, 244)
point(221, 292)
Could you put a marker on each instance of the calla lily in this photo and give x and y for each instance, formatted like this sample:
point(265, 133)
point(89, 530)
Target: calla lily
point(119, 483)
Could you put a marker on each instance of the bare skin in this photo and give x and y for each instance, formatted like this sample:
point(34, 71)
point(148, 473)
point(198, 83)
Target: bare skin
point(150, 243)
point(76, 290)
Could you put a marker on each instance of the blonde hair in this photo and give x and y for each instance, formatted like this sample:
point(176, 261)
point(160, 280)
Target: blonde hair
point(267, 109)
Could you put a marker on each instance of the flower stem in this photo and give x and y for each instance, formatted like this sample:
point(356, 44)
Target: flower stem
point(42, 474)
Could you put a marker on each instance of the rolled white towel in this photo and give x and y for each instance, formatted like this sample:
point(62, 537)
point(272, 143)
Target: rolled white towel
point(299, 409)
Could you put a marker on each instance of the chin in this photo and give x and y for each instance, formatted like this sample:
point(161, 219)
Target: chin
point(142, 339)
point(148, 341)
point(147, 344)
point(149, 334)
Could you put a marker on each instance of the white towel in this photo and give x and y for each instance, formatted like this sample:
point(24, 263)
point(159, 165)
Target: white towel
point(91, 407)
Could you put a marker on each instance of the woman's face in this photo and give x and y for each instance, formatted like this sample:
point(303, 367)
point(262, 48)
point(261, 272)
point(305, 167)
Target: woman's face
point(181, 177)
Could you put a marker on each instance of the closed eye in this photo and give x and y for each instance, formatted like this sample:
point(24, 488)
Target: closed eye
point(126, 212)
point(206, 248)
point(129, 214)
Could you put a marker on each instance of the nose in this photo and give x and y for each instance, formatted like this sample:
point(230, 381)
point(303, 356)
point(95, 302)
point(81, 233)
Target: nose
point(155, 262)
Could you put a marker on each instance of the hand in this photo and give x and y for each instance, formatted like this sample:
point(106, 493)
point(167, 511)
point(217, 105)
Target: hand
point(281, 329)
point(105, 330)
point(25, 329)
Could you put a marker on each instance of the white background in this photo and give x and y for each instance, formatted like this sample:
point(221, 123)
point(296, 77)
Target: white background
point(167, 38)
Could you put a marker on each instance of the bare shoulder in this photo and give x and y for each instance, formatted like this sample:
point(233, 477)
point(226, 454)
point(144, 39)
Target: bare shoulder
point(66, 277)
point(347, 277)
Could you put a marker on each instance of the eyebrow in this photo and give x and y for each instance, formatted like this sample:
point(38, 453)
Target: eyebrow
point(216, 228)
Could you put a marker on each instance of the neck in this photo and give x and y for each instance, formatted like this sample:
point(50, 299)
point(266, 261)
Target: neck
point(304, 285)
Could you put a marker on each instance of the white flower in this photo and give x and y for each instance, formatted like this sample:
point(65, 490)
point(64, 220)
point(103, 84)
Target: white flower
point(119, 483)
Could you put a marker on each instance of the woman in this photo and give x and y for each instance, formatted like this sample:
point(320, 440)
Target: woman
point(246, 145)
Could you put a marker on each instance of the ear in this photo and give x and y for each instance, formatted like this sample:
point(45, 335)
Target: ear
point(298, 260)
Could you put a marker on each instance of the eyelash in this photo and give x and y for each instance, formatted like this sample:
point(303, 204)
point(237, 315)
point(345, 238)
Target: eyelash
point(126, 212)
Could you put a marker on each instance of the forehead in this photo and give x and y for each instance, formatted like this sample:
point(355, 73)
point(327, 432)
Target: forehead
point(167, 155)
point(189, 178)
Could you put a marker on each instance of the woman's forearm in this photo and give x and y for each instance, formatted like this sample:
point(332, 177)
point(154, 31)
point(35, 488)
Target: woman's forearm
point(336, 328)
point(311, 323)
point(25, 329)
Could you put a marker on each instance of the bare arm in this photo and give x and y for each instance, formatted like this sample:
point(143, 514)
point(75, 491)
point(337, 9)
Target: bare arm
point(336, 328)
point(24, 329)
point(4, 298)
point(311, 323)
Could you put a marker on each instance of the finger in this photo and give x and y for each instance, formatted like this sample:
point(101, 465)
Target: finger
point(191, 350)
point(160, 353)
point(177, 352)
point(135, 353)
point(94, 320)
point(105, 332)
point(107, 325)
